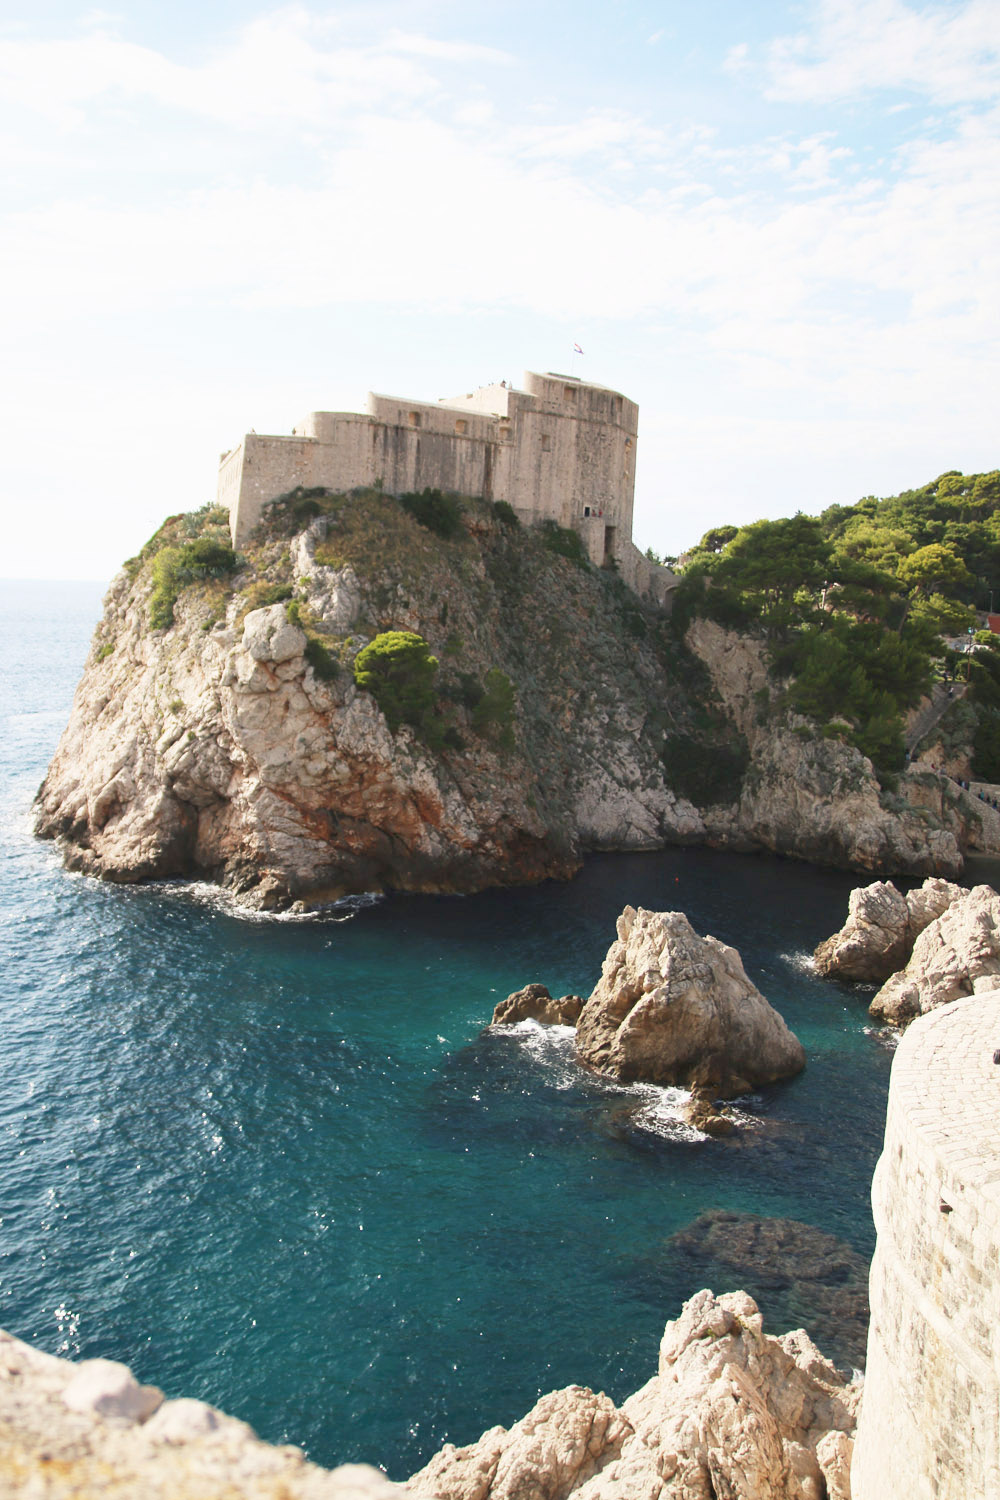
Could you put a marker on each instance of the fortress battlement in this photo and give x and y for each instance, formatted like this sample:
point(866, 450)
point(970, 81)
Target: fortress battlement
point(558, 449)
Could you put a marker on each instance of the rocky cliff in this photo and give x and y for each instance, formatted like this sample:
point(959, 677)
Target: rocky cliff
point(218, 730)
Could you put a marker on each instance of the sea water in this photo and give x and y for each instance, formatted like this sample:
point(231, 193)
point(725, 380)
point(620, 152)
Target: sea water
point(283, 1165)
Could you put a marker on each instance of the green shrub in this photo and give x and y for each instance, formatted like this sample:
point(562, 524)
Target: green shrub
point(275, 593)
point(564, 542)
point(166, 571)
point(173, 568)
point(706, 773)
point(495, 709)
point(986, 747)
point(105, 650)
point(293, 612)
point(397, 668)
point(438, 512)
point(323, 664)
point(505, 513)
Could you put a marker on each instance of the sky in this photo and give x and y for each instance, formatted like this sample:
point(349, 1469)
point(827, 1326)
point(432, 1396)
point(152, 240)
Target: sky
point(774, 226)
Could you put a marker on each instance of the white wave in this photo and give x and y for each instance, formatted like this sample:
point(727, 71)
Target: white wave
point(553, 1046)
point(886, 1036)
point(217, 898)
point(800, 959)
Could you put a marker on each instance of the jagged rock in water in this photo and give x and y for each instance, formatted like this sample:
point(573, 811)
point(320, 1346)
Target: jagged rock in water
point(673, 1008)
point(957, 955)
point(797, 1271)
point(702, 1114)
point(882, 926)
point(566, 1438)
point(534, 1003)
point(730, 1412)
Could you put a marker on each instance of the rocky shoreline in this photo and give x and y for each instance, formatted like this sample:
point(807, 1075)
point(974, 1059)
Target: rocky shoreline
point(730, 1411)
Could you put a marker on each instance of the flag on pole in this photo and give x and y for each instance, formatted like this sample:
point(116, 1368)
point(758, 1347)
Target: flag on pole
point(577, 349)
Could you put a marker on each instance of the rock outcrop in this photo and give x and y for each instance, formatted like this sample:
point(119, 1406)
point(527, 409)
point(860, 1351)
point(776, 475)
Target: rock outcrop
point(881, 928)
point(673, 1008)
point(83, 1432)
point(730, 1412)
point(819, 798)
point(957, 955)
point(534, 1003)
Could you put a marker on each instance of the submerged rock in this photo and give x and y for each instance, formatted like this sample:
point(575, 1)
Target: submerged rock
point(702, 1113)
point(957, 955)
point(534, 1003)
point(673, 1008)
point(882, 926)
point(730, 1412)
point(799, 1272)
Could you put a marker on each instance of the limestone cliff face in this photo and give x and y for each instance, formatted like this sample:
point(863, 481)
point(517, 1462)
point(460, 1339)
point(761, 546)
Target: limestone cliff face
point(232, 744)
point(818, 798)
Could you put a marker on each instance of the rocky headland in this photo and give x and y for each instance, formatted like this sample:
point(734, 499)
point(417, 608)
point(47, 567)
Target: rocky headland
point(221, 730)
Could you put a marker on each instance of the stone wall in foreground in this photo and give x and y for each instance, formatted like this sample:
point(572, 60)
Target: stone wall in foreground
point(930, 1419)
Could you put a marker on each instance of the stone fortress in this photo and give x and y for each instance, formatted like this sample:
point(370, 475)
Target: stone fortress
point(559, 450)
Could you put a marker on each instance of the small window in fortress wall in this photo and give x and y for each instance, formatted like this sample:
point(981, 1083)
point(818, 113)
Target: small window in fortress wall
point(413, 418)
point(546, 443)
point(461, 426)
point(569, 392)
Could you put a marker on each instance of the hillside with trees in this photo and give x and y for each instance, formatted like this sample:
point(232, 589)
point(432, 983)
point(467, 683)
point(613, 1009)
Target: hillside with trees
point(857, 606)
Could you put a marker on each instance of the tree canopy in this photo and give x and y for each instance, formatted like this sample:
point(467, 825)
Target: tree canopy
point(853, 602)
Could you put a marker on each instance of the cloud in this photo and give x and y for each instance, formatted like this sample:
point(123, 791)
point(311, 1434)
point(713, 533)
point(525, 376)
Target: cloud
point(294, 170)
point(949, 54)
point(283, 68)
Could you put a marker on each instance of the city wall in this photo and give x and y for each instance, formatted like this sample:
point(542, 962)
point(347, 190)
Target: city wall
point(930, 1418)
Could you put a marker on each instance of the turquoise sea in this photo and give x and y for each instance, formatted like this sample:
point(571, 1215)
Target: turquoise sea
point(280, 1164)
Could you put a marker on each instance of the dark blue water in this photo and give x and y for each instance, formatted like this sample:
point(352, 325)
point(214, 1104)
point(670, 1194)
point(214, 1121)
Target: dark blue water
point(279, 1165)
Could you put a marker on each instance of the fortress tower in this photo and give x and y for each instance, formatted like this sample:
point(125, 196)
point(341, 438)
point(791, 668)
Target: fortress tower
point(560, 450)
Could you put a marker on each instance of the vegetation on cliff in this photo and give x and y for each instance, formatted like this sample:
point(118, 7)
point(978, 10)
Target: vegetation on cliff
point(853, 604)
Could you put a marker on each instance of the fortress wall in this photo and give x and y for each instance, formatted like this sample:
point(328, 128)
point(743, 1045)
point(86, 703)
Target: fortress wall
point(649, 580)
point(270, 466)
point(930, 1418)
point(230, 477)
point(560, 450)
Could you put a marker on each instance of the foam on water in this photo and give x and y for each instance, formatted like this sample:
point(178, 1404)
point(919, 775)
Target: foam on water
point(800, 960)
point(206, 894)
